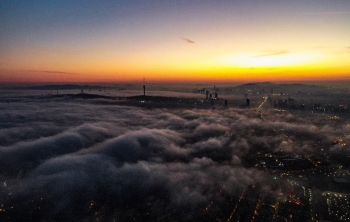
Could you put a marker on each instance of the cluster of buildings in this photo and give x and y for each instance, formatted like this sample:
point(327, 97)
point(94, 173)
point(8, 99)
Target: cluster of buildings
point(337, 207)
point(319, 108)
point(318, 188)
point(290, 104)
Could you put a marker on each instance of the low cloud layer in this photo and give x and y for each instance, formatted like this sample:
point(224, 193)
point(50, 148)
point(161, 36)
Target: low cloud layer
point(77, 160)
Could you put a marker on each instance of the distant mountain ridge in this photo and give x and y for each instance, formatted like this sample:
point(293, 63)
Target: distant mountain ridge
point(280, 85)
point(282, 88)
point(252, 88)
point(65, 87)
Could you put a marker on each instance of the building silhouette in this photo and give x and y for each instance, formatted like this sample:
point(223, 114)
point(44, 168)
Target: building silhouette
point(144, 87)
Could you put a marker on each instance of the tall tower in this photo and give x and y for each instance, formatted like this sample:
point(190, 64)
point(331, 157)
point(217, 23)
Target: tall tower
point(248, 102)
point(144, 87)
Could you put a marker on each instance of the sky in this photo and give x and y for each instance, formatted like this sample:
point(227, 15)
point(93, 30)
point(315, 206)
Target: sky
point(121, 41)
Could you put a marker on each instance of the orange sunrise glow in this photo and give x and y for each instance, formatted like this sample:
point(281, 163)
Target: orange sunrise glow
point(228, 41)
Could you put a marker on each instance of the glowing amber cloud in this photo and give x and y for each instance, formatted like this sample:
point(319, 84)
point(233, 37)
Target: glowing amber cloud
point(269, 59)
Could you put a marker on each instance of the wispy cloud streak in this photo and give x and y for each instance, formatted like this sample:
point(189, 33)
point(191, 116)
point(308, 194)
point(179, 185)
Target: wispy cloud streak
point(273, 53)
point(187, 40)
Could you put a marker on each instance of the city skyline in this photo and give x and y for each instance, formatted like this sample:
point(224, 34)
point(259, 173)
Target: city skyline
point(174, 41)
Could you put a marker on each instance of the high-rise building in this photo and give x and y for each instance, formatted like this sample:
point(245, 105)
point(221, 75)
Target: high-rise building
point(144, 87)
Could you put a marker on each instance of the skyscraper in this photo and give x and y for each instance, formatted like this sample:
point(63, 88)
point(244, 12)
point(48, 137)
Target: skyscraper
point(144, 87)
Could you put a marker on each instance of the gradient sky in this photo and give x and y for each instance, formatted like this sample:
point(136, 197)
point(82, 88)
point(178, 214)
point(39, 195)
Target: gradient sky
point(237, 40)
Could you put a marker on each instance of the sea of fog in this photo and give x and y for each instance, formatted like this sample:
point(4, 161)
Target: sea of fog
point(78, 160)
